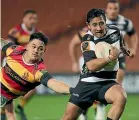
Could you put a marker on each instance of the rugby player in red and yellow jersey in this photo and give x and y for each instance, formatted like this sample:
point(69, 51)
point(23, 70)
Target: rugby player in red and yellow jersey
point(20, 36)
point(24, 70)
point(20, 33)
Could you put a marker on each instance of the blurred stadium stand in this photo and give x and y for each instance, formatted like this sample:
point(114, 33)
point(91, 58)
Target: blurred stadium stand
point(60, 20)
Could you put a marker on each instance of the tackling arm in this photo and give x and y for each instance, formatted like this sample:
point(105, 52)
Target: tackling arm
point(47, 80)
point(58, 86)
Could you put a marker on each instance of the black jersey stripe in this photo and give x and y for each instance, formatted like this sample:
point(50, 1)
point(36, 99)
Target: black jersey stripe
point(7, 90)
point(101, 74)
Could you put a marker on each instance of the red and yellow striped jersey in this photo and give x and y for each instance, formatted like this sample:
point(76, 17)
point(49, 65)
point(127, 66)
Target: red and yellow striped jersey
point(20, 35)
point(18, 77)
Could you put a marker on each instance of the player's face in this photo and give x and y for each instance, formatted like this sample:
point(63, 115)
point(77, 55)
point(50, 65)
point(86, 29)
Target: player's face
point(35, 49)
point(30, 20)
point(112, 10)
point(97, 26)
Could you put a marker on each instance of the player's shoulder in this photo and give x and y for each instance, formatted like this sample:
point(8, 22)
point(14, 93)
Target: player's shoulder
point(17, 49)
point(123, 18)
point(113, 28)
point(87, 43)
point(14, 30)
point(41, 65)
point(87, 37)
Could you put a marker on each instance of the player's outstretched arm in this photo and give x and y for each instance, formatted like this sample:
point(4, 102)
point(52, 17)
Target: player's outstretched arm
point(58, 86)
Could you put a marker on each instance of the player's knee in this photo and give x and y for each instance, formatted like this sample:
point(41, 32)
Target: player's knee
point(68, 116)
point(121, 99)
point(10, 116)
point(121, 73)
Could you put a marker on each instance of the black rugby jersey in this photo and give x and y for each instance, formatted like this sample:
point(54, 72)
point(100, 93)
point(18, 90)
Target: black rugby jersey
point(113, 37)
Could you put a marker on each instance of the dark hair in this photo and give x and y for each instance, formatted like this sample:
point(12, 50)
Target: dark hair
point(95, 13)
point(113, 1)
point(40, 36)
point(29, 11)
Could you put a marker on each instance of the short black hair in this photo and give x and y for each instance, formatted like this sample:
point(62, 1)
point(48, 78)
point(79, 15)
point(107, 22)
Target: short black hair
point(40, 36)
point(29, 11)
point(113, 1)
point(95, 13)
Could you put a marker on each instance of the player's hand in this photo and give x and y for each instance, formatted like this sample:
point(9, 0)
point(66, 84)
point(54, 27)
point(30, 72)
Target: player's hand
point(132, 53)
point(126, 51)
point(114, 53)
point(75, 67)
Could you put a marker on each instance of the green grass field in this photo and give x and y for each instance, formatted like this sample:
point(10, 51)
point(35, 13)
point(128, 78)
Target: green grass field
point(51, 107)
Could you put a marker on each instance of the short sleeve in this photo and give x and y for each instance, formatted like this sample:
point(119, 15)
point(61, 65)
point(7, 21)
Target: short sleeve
point(130, 28)
point(88, 48)
point(8, 48)
point(13, 34)
point(45, 76)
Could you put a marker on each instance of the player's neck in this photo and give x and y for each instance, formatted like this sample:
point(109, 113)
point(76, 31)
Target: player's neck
point(27, 60)
point(29, 28)
point(26, 27)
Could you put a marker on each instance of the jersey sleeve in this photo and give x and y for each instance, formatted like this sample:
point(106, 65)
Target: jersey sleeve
point(13, 34)
point(8, 48)
point(88, 48)
point(44, 77)
point(130, 28)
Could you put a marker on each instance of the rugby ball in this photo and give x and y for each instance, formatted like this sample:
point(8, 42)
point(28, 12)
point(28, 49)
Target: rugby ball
point(102, 50)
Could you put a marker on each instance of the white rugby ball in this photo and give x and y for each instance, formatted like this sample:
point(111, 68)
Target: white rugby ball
point(102, 50)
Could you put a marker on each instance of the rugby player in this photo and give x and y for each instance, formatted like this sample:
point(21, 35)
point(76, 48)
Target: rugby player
point(20, 36)
point(127, 29)
point(95, 83)
point(24, 70)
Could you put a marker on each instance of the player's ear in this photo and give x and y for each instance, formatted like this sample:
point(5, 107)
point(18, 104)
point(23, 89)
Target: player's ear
point(88, 25)
point(44, 49)
point(27, 46)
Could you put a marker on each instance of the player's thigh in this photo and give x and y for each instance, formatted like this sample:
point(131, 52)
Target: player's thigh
point(72, 112)
point(9, 110)
point(30, 94)
point(114, 93)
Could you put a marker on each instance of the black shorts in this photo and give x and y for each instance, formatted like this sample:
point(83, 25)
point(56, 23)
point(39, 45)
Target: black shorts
point(122, 64)
point(85, 93)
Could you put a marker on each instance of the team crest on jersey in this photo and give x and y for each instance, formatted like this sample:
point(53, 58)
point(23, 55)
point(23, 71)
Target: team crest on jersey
point(25, 75)
point(88, 38)
point(114, 37)
point(85, 46)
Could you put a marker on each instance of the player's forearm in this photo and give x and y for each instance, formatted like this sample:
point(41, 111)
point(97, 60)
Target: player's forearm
point(134, 42)
point(97, 64)
point(73, 53)
point(58, 86)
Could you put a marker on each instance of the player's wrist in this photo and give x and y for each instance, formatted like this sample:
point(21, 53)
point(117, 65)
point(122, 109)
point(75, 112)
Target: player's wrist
point(108, 59)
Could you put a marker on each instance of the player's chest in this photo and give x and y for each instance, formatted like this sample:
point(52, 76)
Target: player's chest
point(20, 70)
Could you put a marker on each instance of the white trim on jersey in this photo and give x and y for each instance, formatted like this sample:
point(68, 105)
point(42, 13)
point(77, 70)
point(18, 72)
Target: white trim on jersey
point(95, 79)
point(25, 29)
point(130, 26)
